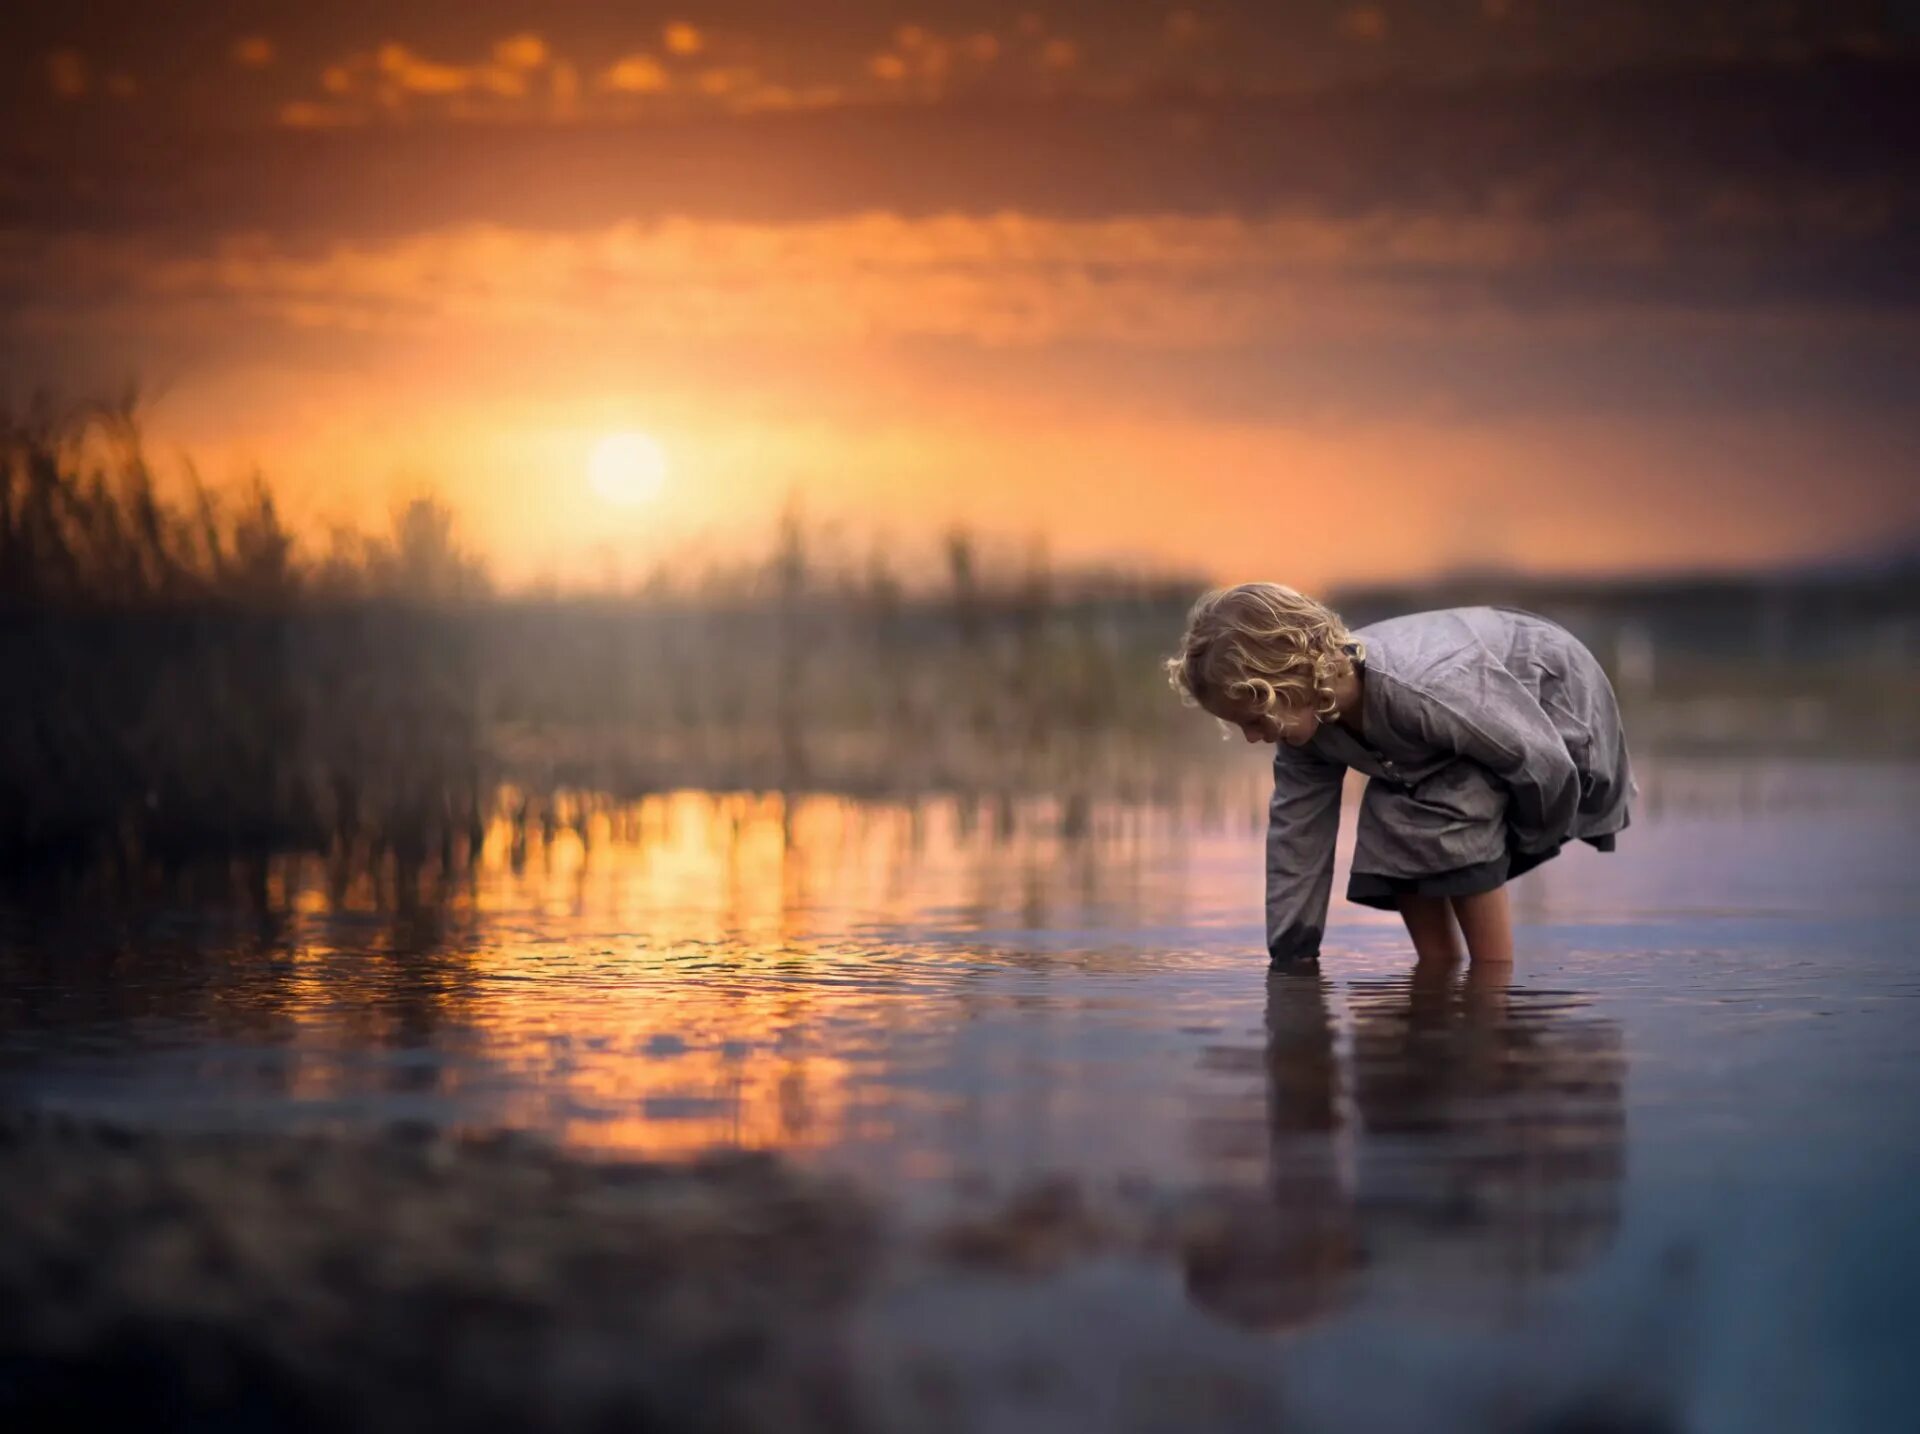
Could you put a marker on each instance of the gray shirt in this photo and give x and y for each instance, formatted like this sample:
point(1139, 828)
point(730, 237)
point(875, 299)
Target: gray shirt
point(1509, 691)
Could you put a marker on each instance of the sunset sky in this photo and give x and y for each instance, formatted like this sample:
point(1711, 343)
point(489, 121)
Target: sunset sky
point(1311, 291)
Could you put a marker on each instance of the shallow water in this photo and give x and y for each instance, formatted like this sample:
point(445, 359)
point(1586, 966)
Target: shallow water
point(1679, 1139)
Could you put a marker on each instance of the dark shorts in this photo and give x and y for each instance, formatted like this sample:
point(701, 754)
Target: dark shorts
point(1371, 889)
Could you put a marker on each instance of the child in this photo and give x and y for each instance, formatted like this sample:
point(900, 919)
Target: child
point(1491, 737)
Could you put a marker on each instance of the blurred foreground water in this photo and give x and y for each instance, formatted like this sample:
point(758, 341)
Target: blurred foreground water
point(1118, 1176)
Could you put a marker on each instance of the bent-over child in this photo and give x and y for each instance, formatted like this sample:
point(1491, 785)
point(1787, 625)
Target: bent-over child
point(1490, 736)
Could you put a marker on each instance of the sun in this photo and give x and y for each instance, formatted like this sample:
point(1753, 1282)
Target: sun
point(628, 468)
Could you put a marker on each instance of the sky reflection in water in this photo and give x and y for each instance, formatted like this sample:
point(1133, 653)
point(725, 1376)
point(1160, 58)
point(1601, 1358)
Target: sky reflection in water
point(953, 1002)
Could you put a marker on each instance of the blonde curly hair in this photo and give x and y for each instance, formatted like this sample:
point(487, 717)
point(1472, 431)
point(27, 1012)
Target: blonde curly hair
point(1263, 643)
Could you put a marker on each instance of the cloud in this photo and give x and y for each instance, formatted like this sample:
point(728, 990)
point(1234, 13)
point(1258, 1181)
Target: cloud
point(1184, 28)
point(636, 75)
point(931, 54)
point(67, 74)
point(506, 86)
point(252, 52)
point(1006, 280)
point(521, 52)
point(1367, 24)
point(982, 47)
point(725, 80)
point(904, 63)
point(1059, 54)
point(394, 74)
point(926, 62)
point(409, 72)
point(767, 98)
point(1531, 150)
point(310, 114)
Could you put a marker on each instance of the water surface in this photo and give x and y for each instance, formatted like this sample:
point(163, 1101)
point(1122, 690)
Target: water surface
point(1679, 1134)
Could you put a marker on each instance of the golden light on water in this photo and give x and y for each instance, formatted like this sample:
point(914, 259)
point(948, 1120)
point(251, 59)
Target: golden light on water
point(729, 929)
point(628, 468)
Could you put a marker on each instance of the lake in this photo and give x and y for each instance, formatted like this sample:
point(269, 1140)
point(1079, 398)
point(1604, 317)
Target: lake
point(1662, 1169)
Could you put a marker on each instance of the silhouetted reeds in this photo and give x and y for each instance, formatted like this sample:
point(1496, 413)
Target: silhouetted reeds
point(181, 676)
point(179, 680)
point(185, 677)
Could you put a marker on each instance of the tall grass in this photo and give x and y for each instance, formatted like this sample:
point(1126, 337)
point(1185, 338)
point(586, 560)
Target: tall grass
point(176, 677)
point(183, 676)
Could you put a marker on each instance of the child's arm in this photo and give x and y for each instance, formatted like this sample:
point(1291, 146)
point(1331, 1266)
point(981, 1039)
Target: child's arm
point(1303, 819)
point(1481, 711)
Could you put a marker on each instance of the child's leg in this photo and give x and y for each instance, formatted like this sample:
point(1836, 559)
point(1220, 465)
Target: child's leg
point(1487, 923)
point(1430, 923)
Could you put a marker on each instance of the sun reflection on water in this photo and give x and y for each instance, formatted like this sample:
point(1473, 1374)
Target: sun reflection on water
point(694, 970)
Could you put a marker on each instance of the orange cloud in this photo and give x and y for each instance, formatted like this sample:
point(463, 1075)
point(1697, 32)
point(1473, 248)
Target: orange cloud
point(726, 80)
point(1165, 281)
point(917, 63)
point(252, 52)
point(308, 114)
point(521, 52)
point(402, 73)
point(1365, 23)
point(418, 76)
point(637, 75)
point(67, 74)
point(1184, 28)
point(767, 98)
point(927, 57)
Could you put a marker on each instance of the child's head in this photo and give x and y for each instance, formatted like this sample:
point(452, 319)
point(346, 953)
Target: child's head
point(1264, 658)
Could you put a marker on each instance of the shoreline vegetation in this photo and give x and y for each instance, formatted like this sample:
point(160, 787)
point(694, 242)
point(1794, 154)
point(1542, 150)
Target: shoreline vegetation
point(190, 681)
point(187, 681)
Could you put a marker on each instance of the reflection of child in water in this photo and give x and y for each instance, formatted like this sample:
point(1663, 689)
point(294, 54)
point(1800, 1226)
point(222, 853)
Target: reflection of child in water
point(1472, 1143)
point(1282, 1252)
point(1490, 736)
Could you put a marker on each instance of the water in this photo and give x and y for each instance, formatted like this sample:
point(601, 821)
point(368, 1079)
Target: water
point(1670, 1154)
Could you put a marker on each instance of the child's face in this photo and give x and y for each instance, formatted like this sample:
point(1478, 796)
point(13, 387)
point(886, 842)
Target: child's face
point(1293, 725)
